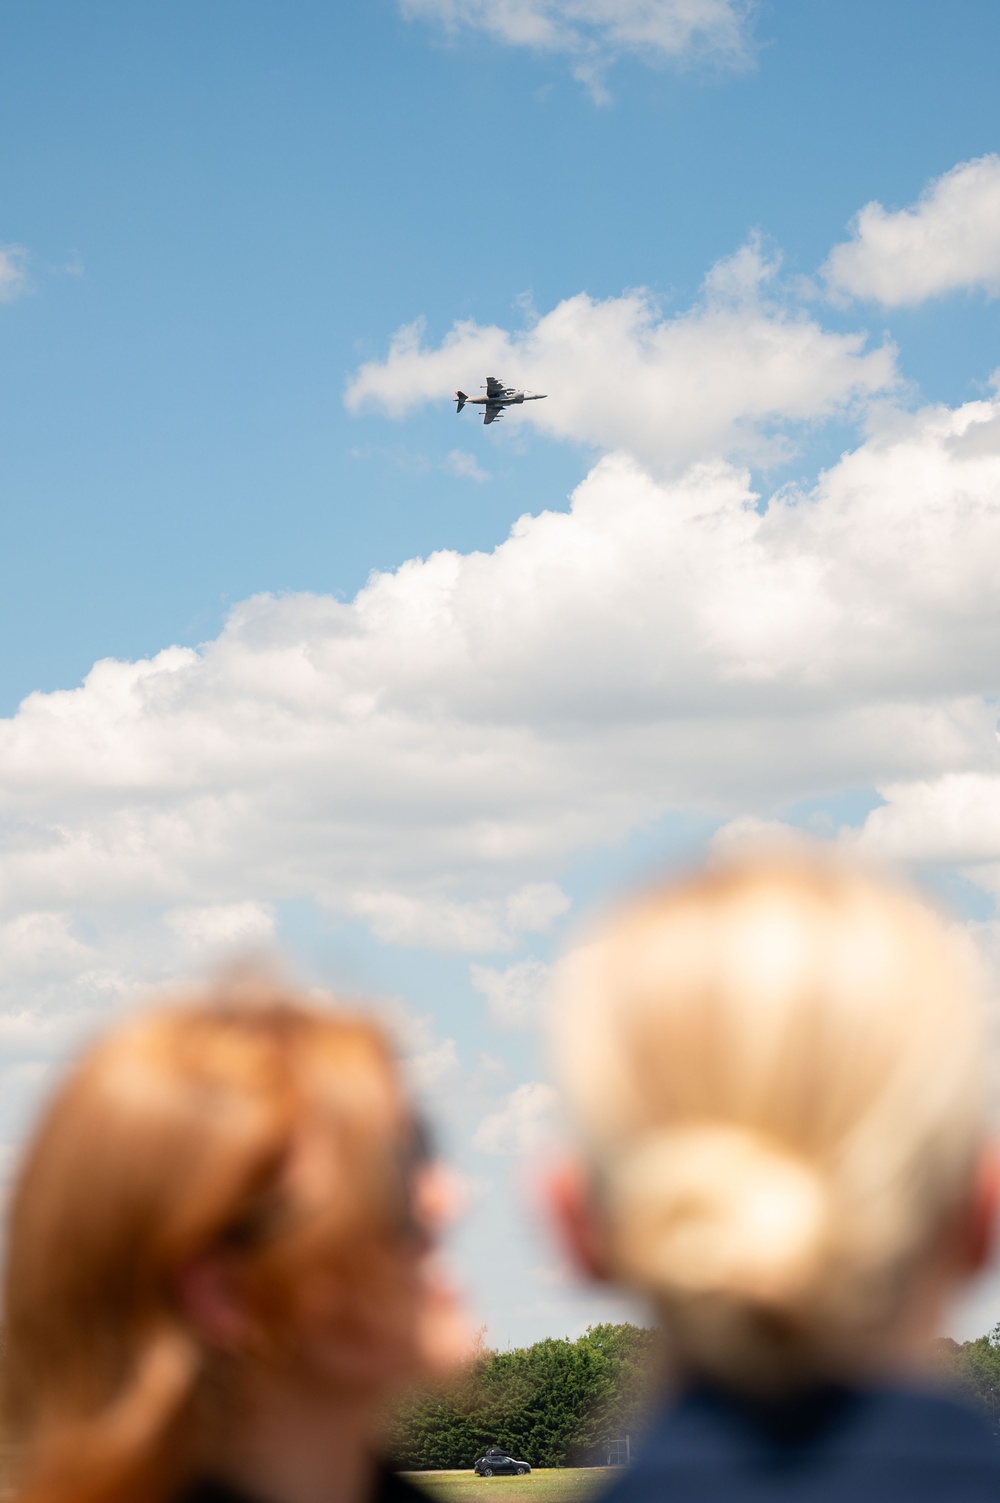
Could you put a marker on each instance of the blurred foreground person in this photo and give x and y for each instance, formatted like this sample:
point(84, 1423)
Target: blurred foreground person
point(218, 1262)
point(776, 1072)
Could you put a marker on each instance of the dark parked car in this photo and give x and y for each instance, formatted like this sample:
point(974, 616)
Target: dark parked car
point(496, 1463)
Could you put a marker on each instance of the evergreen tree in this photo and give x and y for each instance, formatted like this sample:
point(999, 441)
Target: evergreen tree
point(555, 1402)
point(974, 1368)
point(559, 1402)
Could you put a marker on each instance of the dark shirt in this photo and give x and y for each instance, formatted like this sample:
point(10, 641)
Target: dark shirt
point(832, 1445)
point(389, 1488)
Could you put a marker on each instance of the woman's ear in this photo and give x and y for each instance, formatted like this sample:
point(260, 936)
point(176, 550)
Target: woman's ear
point(209, 1296)
point(436, 1199)
point(570, 1201)
point(984, 1206)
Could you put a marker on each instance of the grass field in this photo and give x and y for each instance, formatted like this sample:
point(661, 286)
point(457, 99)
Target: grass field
point(547, 1485)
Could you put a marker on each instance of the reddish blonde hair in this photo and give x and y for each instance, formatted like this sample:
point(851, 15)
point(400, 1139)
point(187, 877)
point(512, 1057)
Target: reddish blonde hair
point(181, 1132)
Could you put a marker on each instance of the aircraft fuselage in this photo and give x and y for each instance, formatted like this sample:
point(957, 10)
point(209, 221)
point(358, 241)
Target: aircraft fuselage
point(497, 398)
point(510, 400)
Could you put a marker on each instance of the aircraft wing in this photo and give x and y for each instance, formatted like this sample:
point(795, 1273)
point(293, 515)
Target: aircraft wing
point(494, 388)
point(493, 411)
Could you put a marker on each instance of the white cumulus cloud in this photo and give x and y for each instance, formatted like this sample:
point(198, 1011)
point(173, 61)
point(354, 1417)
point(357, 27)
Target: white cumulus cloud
point(953, 820)
point(518, 994)
point(728, 377)
point(948, 239)
point(222, 929)
point(428, 1059)
point(465, 466)
point(443, 924)
point(428, 754)
point(523, 1124)
point(594, 32)
point(13, 272)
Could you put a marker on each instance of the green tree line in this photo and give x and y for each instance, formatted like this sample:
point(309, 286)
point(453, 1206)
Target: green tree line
point(558, 1402)
point(555, 1403)
point(973, 1367)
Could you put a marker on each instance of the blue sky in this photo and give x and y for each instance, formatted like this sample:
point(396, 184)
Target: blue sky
point(256, 198)
point(217, 219)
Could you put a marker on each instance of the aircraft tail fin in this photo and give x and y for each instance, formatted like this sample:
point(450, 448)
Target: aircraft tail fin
point(461, 399)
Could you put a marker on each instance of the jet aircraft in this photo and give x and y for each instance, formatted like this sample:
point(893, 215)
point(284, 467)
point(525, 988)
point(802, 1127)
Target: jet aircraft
point(497, 398)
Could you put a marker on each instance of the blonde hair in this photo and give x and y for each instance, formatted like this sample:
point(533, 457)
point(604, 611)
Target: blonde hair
point(776, 1070)
point(188, 1130)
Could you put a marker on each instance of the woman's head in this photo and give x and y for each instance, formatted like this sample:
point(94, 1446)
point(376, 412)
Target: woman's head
point(775, 1067)
point(228, 1181)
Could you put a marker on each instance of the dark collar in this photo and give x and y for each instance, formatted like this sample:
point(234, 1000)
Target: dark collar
point(389, 1488)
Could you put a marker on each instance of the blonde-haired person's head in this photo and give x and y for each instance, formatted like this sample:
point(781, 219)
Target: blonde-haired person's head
point(224, 1188)
point(776, 1070)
